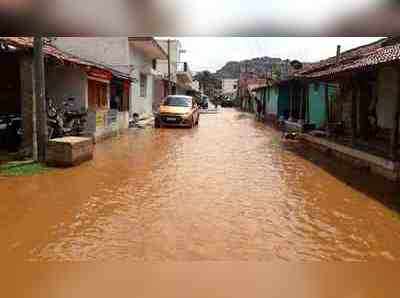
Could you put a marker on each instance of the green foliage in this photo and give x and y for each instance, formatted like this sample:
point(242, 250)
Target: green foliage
point(22, 169)
point(276, 71)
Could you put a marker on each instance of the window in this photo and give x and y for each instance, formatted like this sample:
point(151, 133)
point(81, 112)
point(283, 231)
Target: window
point(234, 86)
point(143, 85)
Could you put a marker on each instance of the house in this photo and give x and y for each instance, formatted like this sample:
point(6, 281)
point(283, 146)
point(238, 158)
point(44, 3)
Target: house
point(131, 57)
point(109, 100)
point(299, 103)
point(173, 48)
point(363, 122)
point(144, 52)
point(321, 97)
point(248, 81)
point(67, 76)
point(178, 73)
point(229, 86)
point(275, 98)
point(196, 86)
point(184, 79)
point(306, 103)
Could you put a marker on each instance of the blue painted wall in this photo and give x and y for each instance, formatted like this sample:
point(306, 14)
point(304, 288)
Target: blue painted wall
point(317, 105)
point(273, 100)
point(283, 102)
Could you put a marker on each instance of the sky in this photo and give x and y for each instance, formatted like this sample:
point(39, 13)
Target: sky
point(211, 53)
point(287, 17)
point(305, 12)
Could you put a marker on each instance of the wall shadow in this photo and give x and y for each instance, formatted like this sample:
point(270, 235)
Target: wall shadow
point(360, 179)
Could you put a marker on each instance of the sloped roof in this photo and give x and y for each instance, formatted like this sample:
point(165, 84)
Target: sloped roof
point(383, 55)
point(54, 52)
point(382, 51)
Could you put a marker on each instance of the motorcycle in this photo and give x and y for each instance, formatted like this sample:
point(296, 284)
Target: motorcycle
point(64, 121)
point(10, 132)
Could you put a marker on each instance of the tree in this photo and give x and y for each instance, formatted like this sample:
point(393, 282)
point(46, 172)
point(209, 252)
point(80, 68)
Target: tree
point(276, 71)
point(207, 81)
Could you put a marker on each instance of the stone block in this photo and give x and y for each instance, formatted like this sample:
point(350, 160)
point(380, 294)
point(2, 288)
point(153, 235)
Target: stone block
point(69, 151)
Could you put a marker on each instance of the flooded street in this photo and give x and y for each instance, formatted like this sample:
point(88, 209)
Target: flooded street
point(228, 190)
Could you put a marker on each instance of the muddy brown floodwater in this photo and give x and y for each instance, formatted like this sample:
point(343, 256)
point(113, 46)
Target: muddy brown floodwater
point(227, 190)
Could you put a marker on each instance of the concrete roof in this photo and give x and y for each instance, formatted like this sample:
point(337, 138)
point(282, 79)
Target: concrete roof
point(149, 46)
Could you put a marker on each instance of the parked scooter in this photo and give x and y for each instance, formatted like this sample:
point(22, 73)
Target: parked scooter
point(64, 121)
point(10, 132)
point(74, 121)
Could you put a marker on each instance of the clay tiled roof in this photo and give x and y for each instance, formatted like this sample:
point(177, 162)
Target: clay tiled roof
point(388, 54)
point(52, 51)
point(351, 60)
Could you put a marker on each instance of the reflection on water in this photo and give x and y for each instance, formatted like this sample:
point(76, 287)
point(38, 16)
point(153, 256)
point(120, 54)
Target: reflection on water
point(227, 190)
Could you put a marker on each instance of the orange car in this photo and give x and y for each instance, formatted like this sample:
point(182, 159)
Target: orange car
point(177, 110)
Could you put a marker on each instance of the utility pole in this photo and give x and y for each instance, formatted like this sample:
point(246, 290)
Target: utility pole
point(40, 98)
point(169, 66)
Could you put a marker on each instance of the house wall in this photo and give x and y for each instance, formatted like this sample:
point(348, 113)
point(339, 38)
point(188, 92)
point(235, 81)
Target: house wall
point(113, 51)
point(273, 100)
point(196, 85)
point(159, 93)
point(228, 85)
point(388, 78)
point(162, 65)
point(283, 102)
point(346, 108)
point(66, 82)
point(317, 104)
point(26, 71)
point(141, 105)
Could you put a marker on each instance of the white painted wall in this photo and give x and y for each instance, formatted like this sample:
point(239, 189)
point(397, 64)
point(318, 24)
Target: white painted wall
point(196, 85)
point(162, 65)
point(387, 96)
point(141, 105)
point(228, 85)
point(63, 82)
point(113, 51)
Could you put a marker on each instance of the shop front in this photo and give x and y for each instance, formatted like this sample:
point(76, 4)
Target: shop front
point(108, 101)
point(98, 103)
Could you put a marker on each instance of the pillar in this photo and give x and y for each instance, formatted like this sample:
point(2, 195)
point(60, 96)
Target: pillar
point(301, 118)
point(354, 94)
point(26, 78)
point(363, 108)
point(326, 97)
point(290, 102)
point(395, 130)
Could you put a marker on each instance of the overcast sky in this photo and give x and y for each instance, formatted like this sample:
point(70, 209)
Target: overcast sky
point(212, 53)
